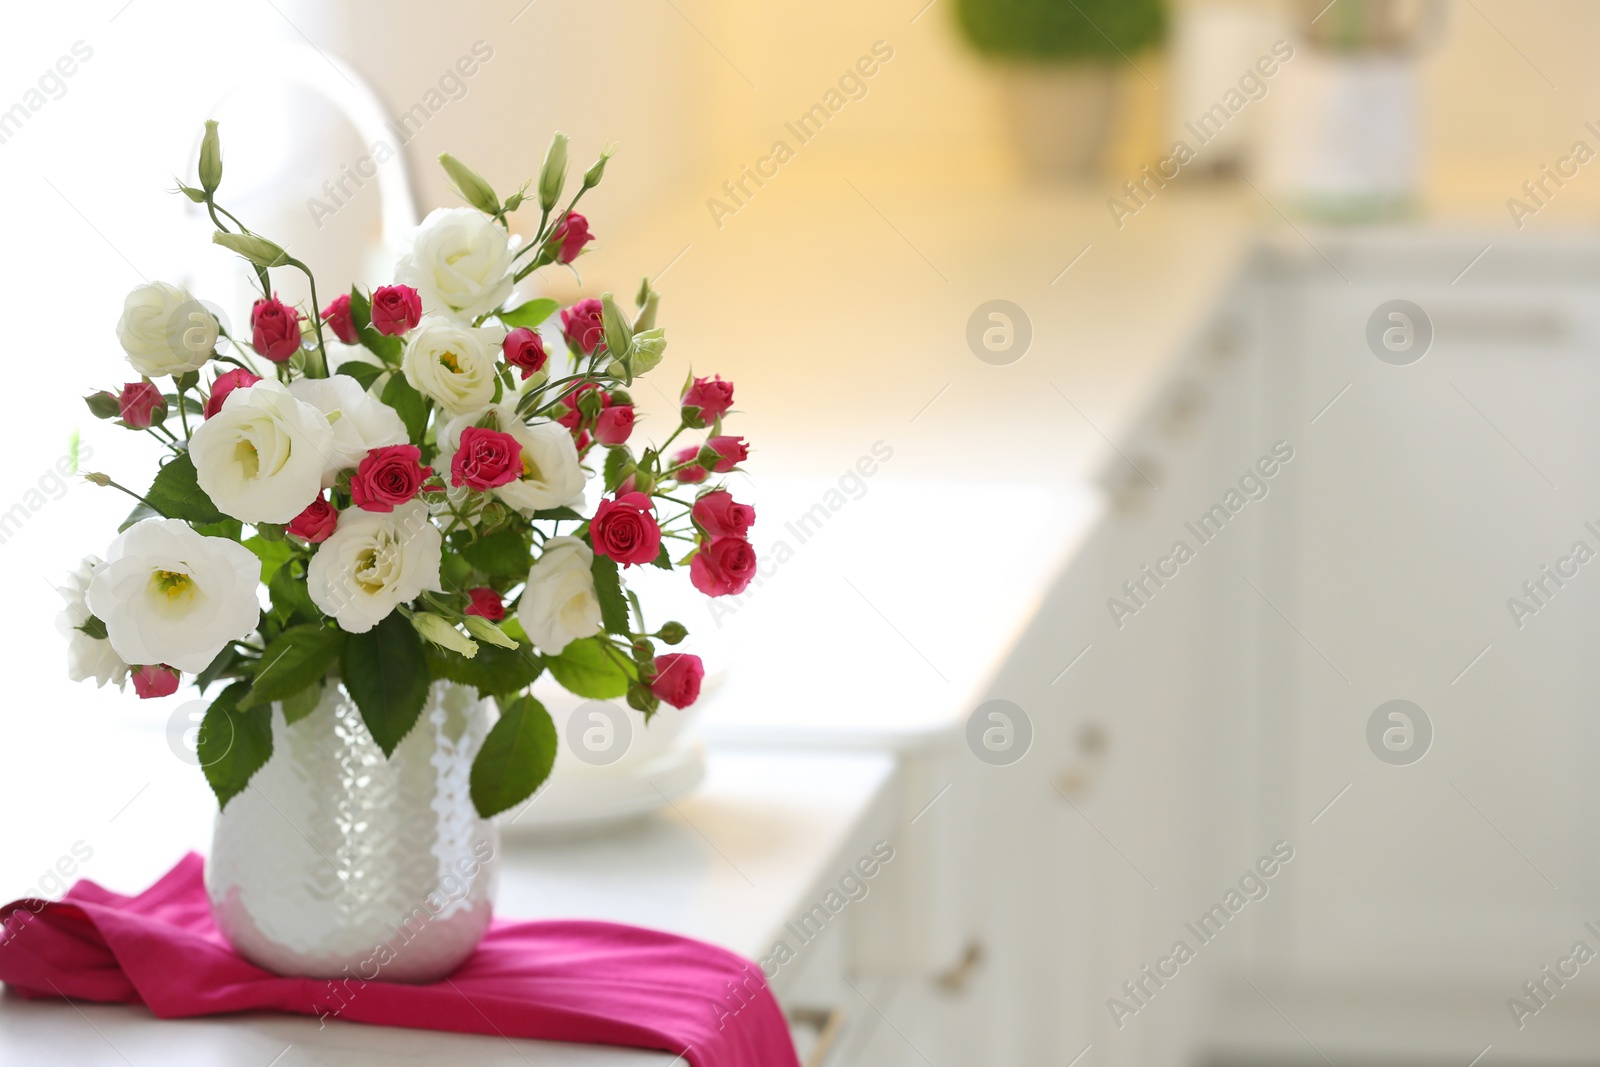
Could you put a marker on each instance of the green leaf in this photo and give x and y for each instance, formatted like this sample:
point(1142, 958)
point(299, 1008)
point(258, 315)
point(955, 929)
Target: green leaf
point(298, 657)
point(177, 495)
point(619, 462)
point(385, 671)
point(233, 744)
point(365, 373)
point(608, 590)
point(290, 600)
point(140, 512)
point(232, 529)
point(302, 703)
point(503, 554)
point(663, 558)
point(531, 313)
point(515, 759)
point(557, 513)
point(587, 668)
point(410, 404)
point(273, 555)
point(494, 671)
point(220, 665)
point(94, 628)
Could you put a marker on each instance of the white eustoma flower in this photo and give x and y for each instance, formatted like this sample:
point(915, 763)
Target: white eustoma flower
point(170, 595)
point(261, 458)
point(451, 363)
point(164, 330)
point(460, 263)
point(559, 604)
point(551, 476)
point(374, 562)
point(360, 422)
point(87, 657)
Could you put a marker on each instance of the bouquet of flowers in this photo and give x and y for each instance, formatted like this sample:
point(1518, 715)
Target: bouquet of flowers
point(390, 491)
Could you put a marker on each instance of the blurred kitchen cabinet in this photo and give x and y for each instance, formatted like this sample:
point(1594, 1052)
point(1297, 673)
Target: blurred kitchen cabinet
point(1448, 419)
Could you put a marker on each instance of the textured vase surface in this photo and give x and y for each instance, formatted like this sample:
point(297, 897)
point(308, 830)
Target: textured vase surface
point(338, 862)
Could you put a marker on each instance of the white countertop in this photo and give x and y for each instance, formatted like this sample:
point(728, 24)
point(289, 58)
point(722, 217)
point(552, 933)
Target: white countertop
point(752, 848)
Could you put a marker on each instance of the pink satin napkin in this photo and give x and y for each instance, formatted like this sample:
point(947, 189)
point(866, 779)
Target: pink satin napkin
point(568, 980)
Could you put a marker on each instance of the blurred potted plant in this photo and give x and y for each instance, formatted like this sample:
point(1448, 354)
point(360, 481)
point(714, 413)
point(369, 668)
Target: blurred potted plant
point(1347, 144)
point(1058, 62)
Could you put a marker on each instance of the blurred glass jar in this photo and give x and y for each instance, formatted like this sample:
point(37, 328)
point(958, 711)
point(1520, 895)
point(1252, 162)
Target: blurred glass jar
point(1345, 144)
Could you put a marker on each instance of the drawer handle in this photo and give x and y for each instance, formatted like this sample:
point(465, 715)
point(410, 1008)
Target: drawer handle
point(956, 978)
point(827, 1022)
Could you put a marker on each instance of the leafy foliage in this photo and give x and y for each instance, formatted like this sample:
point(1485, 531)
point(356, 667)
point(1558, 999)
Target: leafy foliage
point(1052, 30)
point(516, 757)
point(592, 667)
point(233, 744)
point(385, 671)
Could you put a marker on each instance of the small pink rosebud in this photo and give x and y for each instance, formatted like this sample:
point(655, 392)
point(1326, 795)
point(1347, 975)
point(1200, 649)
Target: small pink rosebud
point(239, 378)
point(274, 329)
point(524, 348)
point(141, 405)
point(486, 603)
point(155, 680)
point(569, 237)
point(706, 401)
point(316, 523)
point(396, 309)
point(337, 315)
point(614, 425)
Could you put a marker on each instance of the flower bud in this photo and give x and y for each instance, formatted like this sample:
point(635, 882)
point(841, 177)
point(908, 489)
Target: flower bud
point(673, 633)
point(640, 698)
point(553, 175)
point(470, 184)
point(258, 250)
point(196, 195)
point(484, 630)
point(437, 629)
point(210, 158)
point(592, 176)
point(619, 336)
point(102, 480)
point(643, 650)
point(103, 405)
point(494, 515)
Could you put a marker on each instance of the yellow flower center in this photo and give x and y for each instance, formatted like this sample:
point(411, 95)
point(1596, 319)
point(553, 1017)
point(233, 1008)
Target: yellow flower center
point(451, 361)
point(175, 584)
point(248, 459)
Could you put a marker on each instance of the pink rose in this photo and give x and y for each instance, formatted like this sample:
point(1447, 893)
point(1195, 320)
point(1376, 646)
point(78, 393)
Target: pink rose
point(693, 473)
point(581, 325)
point(225, 384)
point(388, 477)
point(395, 309)
point(613, 425)
point(525, 348)
point(337, 315)
point(141, 405)
point(723, 566)
point(625, 529)
point(678, 678)
point(316, 523)
point(486, 459)
point(718, 514)
point(732, 450)
point(571, 234)
point(486, 603)
point(706, 401)
point(274, 329)
point(154, 680)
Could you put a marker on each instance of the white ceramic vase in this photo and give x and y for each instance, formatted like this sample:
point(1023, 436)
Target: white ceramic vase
point(337, 862)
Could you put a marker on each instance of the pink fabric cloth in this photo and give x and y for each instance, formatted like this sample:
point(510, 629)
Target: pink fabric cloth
point(595, 982)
